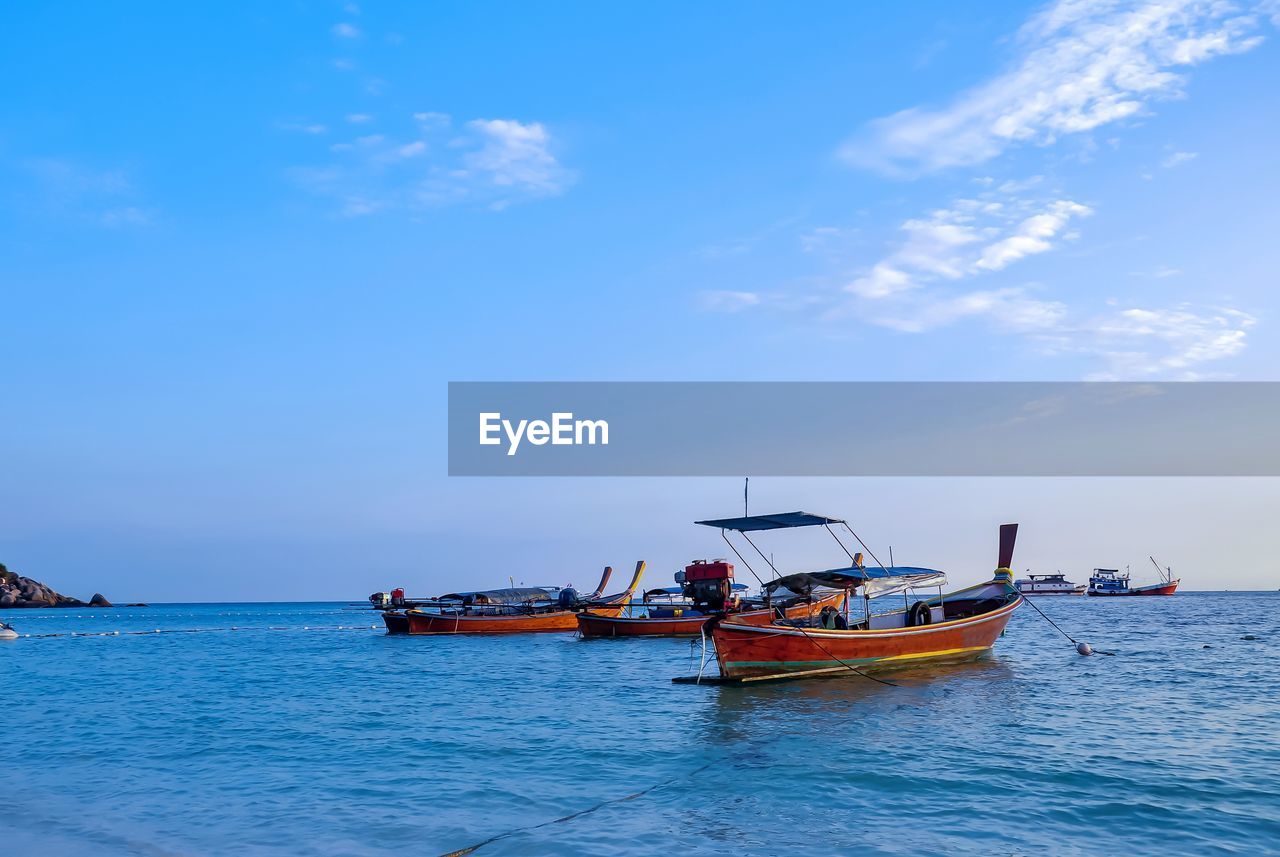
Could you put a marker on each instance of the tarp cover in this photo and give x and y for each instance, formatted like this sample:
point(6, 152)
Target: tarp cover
point(890, 585)
point(843, 578)
point(780, 521)
point(519, 595)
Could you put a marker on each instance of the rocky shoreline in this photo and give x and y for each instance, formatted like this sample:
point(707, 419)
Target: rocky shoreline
point(18, 592)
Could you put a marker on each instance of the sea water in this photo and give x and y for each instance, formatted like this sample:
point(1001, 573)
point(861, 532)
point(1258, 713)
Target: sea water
point(304, 731)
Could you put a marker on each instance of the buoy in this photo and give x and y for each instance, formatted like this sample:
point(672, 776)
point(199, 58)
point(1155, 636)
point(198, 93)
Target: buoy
point(1084, 648)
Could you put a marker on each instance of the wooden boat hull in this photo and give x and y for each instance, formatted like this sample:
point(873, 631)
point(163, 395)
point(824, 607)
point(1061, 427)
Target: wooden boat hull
point(593, 624)
point(418, 622)
point(770, 650)
point(1154, 589)
point(397, 623)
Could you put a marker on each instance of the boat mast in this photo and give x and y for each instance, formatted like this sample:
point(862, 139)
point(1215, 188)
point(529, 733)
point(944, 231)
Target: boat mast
point(1166, 574)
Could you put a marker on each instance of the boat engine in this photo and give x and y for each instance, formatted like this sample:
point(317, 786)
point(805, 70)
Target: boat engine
point(709, 585)
point(568, 598)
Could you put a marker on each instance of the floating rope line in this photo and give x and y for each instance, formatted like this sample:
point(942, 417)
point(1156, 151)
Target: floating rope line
point(470, 849)
point(153, 632)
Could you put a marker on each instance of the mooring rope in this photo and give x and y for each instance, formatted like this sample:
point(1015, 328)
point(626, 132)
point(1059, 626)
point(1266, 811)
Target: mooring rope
point(1082, 648)
point(470, 849)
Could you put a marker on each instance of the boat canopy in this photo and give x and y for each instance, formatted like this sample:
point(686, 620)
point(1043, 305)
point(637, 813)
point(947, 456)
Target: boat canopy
point(846, 578)
point(518, 595)
point(892, 585)
point(780, 521)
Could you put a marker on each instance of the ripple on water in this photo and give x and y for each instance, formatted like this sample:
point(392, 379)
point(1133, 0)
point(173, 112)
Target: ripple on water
point(351, 742)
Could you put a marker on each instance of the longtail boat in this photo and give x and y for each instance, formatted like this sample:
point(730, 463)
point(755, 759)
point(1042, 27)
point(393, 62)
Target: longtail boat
point(705, 590)
point(959, 626)
point(508, 611)
point(1110, 582)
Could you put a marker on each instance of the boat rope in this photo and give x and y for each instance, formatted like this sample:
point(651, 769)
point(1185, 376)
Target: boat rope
point(471, 849)
point(844, 664)
point(1050, 621)
point(1082, 648)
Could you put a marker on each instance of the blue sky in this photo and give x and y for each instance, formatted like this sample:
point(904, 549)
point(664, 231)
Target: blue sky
point(243, 247)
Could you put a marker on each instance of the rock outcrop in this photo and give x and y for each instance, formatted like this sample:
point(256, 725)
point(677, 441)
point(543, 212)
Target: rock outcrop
point(18, 591)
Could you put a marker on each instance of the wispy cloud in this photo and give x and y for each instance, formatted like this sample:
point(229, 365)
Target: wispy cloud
point(965, 239)
point(1081, 64)
point(65, 189)
point(728, 301)
point(1176, 341)
point(432, 162)
point(1176, 159)
point(346, 31)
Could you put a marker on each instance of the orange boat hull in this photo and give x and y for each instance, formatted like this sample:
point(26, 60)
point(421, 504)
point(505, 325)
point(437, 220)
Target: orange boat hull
point(594, 624)
point(444, 623)
point(747, 650)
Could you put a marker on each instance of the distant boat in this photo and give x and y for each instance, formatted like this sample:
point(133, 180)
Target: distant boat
point(1048, 584)
point(506, 611)
point(1110, 582)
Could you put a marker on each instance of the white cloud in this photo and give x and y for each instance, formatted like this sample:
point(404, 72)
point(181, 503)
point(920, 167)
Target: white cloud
point(1009, 309)
point(1082, 64)
point(494, 162)
point(1140, 343)
point(517, 155)
point(67, 190)
point(970, 237)
point(728, 301)
point(1033, 235)
point(346, 31)
point(1177, 159)
point(359, 118)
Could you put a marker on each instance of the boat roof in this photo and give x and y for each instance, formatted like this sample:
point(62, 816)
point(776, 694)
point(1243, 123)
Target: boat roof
point(779, 521)
point(843, 578)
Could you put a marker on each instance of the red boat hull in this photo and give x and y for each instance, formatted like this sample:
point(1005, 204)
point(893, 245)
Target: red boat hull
point(594, 624)
point(745, 651)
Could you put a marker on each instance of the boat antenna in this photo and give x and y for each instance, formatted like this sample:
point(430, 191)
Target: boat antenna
point(891, 556)
point(746, 486)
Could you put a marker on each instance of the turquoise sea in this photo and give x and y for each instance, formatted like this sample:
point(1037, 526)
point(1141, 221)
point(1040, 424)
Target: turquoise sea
point(306, 732)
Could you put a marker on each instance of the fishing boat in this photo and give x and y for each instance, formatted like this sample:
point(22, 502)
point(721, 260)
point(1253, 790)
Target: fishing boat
point(1105, 582)
point(507, 611)
point(705, 589)
point(1049, 584)
point(958, 626)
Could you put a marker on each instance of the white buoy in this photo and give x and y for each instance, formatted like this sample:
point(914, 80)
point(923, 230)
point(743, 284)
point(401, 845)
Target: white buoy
point(1084, 648)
